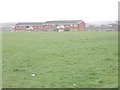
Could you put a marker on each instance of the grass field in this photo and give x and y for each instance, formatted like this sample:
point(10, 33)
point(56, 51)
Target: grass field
point(60, 59)
point(0, 60)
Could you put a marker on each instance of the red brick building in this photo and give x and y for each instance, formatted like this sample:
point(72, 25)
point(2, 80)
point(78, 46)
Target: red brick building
point(64, 25)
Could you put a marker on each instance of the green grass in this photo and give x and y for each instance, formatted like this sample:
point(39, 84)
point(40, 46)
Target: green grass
point(87, 59)
point(0, 60)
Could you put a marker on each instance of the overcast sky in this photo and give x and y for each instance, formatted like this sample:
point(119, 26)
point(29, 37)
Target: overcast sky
point(44, 10)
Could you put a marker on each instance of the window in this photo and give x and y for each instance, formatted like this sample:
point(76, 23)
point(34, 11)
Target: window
point(18, 26)
point(75, 25)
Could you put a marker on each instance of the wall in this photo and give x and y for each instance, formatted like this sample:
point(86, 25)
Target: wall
point(82, 26)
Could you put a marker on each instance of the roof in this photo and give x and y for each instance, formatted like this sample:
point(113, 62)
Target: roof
point(64, 22)
point(30, 23)
point(58, 22)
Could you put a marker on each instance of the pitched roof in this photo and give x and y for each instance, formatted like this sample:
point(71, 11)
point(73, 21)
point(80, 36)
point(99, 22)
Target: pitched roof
point(30, 23)
point(58, 22)
point(64, 22)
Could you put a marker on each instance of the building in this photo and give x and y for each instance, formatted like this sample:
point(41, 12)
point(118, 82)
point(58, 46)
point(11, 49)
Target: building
point(61, 25)
point(7, 27)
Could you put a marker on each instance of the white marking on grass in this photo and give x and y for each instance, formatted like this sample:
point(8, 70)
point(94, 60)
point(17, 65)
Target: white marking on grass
point(74, 84)
point(33, 75)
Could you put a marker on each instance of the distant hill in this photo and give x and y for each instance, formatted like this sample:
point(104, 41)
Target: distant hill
point(98, 23)
point(8, 24)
